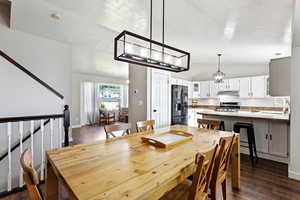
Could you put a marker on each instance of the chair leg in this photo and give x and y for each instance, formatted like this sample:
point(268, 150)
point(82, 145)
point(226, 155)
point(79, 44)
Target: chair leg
point(250, 142)
point(254, 143)
point(213, 191)
point(224, 189)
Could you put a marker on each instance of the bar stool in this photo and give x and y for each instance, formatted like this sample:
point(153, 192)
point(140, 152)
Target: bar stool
point(250, 135)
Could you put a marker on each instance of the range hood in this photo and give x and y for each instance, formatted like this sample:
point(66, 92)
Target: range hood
point(229, 96)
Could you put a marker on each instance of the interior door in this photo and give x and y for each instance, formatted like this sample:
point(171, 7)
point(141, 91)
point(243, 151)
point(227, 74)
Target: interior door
point(161, 101)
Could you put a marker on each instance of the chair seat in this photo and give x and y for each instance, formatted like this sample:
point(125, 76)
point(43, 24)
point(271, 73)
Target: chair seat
point(181, 192)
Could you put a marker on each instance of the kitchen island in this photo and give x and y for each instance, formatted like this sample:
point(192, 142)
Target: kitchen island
point(271, 130)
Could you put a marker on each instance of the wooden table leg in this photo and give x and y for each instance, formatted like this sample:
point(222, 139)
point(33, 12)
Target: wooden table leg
point(51, 183)
point(236, 164)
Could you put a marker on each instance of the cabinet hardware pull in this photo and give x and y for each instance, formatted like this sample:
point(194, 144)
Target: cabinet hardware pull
point(271, 137)
point(266, 136)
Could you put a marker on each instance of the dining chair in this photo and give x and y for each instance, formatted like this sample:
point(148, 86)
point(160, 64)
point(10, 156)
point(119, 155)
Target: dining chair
point(30, 176)
point(198, 188)
point(110, 129)
point(208, 124)
point(145, 125)
point(221, 166)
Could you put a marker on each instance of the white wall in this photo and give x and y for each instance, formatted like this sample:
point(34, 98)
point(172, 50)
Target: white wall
point(20, 95)
point(77, 79)
point(137, 93)
point(294, 167)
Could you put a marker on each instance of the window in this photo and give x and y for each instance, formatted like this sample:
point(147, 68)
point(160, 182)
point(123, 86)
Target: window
point(110, 96)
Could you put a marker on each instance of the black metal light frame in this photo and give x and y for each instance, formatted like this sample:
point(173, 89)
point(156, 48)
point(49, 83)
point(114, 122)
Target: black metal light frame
point(136, 59)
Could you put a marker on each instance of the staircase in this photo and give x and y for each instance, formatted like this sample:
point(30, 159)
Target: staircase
point(39, 132)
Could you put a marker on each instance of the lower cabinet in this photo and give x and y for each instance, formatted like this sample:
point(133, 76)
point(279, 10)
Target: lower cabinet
point(271, 136)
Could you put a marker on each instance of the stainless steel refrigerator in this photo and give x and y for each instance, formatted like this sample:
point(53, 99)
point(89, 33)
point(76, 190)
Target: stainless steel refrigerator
point(179, 103)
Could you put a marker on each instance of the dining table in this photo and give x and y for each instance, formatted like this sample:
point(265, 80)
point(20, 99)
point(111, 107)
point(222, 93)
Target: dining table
point(127, 168)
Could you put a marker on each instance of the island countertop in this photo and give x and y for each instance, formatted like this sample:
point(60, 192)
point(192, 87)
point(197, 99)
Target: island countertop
point(247, 114)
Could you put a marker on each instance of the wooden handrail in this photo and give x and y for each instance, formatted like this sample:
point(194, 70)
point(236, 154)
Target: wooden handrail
point(29, 118)
point(26, 71)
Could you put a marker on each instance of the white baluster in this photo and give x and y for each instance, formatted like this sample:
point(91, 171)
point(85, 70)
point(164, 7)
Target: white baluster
point(31, 136)
point(60, 132)
point(21, 183)
point(9, 156)
point(51, 133)
point(42, 151)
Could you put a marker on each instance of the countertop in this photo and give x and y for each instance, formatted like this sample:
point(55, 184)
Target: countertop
point(246, 114)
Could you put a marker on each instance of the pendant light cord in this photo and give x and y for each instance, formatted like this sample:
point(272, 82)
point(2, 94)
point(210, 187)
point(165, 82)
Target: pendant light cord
point(163, 23)
point(151, 4)
point(219, 62)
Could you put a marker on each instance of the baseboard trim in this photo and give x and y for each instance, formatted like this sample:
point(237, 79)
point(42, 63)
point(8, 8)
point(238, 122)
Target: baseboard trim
point(76, 126)
point(294, 175)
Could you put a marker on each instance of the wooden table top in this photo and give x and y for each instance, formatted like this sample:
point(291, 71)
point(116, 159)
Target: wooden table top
point(126, 168)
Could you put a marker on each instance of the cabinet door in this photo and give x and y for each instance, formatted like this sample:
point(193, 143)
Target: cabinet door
point(192, 121)
point(258, 86)
point(205, 89)
point(261, 131)
point(214, 89)
point(196, 89)
point(190, 89)
point(234, 84)
point(244, 87)
point(278, 139)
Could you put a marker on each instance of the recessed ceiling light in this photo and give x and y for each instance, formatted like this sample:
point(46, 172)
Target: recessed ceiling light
point(278, 54)
point(55, 16)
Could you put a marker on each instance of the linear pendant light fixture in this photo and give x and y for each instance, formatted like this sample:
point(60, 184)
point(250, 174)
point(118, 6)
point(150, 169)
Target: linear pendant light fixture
point(136, 49)
point(219, 75)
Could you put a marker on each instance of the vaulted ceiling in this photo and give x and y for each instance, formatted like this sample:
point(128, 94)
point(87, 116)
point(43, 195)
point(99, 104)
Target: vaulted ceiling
point(247, 32)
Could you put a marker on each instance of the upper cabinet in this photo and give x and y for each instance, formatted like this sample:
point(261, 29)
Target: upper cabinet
point(245, 87)
point(258, 87)
point(280, 76)
point(205, 89)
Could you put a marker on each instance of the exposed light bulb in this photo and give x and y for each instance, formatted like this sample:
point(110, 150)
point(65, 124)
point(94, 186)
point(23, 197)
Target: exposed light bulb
point(144, 53)
point(156, 56)
point(178, 61)
point(128, 48)
point(168, 59)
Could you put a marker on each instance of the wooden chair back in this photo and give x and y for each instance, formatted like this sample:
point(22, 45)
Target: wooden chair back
point(110, 129)
point(145, 125)
point(201, 178)
point(208, 124)
point(30, 176)
point(222, 159)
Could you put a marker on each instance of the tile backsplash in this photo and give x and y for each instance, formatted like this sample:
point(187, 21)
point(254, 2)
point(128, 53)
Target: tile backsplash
point(250, 102)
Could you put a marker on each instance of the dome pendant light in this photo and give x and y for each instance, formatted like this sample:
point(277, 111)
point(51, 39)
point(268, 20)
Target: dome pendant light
point(219, 75)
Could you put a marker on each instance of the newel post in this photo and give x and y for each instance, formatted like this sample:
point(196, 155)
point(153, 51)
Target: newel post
point(66, 124)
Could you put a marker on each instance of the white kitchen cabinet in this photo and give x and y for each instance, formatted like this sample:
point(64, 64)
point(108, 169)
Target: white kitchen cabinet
point(196, 89)
point(233, 84)
point(245, 87)
point(261, 131)
point(190, 89)
point(192, 121)
point(278, 138)
point(258, 86)
point(205, 89)
point(214, 89)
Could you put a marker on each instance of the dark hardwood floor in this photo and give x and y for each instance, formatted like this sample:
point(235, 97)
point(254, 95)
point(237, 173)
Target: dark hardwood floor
point(266, 181)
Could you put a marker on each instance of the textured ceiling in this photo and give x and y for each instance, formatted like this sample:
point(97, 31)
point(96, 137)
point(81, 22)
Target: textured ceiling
point(248, 31)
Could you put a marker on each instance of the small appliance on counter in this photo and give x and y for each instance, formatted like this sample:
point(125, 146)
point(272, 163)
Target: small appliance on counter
point(195, 102)
point(179, 103)
point(228, 107)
